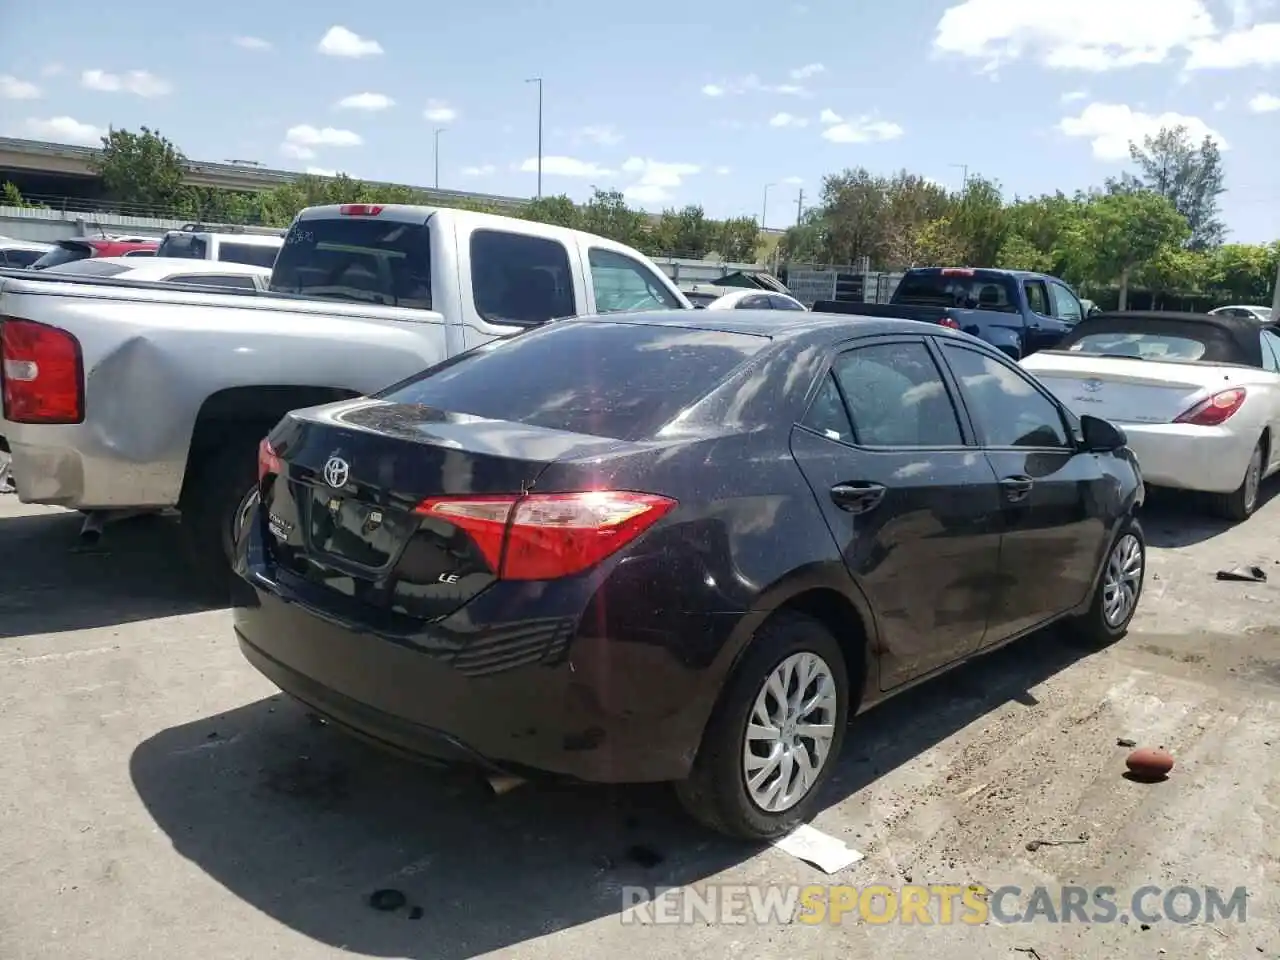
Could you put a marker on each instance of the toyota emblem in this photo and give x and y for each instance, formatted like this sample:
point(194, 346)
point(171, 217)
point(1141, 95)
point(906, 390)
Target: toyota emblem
point(336, 472)
point(1093, 386)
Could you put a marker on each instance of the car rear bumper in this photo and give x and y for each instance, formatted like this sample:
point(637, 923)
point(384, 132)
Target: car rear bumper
point(1186, 457)
point(527, 694)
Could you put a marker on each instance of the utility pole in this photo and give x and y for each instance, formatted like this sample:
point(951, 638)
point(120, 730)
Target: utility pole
point(538, 81)
point(764, 209)
point(964, 171)
point(439, 130)
point(800, 206)
point(1275, 295)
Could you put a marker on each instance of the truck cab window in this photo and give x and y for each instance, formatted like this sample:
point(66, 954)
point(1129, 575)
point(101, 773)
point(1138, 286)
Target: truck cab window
point(621, 284)
point(520, 279)
point(1038, 297)
point(356, 259)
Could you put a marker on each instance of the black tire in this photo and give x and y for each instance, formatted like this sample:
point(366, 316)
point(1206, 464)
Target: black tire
point(1094, 627)
point(214, 494)
point(715, 792)
point(1240, 504)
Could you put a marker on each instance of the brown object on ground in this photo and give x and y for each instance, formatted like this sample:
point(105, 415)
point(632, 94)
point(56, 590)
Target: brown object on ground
point(1148, 764)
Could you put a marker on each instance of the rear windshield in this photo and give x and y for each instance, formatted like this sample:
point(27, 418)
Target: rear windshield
point(185, 246)
point(1153, 340)
point(89, 267)
point(359, 259)
point(936, 289)
point(254, 254)
point(619, 380)
point(64, 252)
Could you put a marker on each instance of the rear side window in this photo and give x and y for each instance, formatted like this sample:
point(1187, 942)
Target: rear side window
point(938, 289)
point(184, 246)
point(213, 280)
point(64, 252)
point(619, 380)
point(21, 258)
point(357, 259)
point(519, 279)
point(89, 267)
point(897, 397)
point(254, 254)
point(785, 303)
point(621, 284)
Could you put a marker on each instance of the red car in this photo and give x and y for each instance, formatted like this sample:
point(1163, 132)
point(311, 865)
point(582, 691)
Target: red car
point(82, 248)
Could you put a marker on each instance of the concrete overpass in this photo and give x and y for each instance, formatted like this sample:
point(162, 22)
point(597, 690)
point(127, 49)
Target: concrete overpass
point(46, 162)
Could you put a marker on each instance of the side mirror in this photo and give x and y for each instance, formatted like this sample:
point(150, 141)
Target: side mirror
point(1101, 436)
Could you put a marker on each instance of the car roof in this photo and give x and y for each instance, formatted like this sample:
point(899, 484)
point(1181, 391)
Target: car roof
point(777, 324)
point(9, 243)
point(187, 265)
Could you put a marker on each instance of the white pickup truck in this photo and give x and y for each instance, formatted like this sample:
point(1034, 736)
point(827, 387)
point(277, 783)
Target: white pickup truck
point(122, 397)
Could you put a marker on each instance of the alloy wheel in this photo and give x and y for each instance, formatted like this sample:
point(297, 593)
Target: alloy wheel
point(1123, 580)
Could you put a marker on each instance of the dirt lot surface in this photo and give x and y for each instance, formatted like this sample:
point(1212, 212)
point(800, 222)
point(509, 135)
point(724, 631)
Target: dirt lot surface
point(157, 799)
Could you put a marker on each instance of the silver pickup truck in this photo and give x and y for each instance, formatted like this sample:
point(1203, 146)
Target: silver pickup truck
point(122, 397)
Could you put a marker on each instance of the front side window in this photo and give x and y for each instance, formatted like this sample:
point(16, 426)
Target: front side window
point(520, 279)
point(1270, 351)
point(185, 246)
point(1065, 305)
point(896, 397)
point(621, 284)
point(22, 258)
point(1007, 407)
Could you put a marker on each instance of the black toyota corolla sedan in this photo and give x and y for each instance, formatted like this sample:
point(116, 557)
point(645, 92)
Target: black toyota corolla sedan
point(677, 546)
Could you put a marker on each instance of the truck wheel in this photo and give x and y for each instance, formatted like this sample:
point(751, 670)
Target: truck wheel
point(775, 737)
point(214, 500)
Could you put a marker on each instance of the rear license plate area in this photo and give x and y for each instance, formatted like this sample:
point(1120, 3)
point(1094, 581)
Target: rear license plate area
point(359, 533)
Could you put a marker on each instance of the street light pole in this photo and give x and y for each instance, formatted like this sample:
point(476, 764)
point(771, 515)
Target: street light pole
point(439, 130)
point(538, 81)
point(964, 172)
point(764, 209)
point(1275, 294)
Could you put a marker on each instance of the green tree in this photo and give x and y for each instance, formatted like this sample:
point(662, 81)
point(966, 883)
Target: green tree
point(1174, 274)
point(558, 211)
point(608, 215)
point(684, 233)
point(1121, 233)
point(738, 239)
point(11, 196)
point(852, 218)
point(979, 218)
point(142, 169)
point(1188, 175)
point(1242, 272)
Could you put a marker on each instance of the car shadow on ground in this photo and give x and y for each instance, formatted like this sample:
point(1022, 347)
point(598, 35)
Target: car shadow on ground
point(50, 582)
point(1176, 518)
point(305, 823)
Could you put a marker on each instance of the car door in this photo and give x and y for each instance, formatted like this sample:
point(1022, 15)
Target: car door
point(1044, 330)
point(911, 502)
point(1053, 534)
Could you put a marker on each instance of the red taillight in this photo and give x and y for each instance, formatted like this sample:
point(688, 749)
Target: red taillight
point(360, 209)
point(269, 462)
point(1215, 410)
point(948, 322)
point(42, 373)
point(957, 271)
point(542, 536)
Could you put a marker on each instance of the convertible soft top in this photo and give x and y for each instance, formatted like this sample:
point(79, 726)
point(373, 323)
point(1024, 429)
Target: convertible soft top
point(1226, 339)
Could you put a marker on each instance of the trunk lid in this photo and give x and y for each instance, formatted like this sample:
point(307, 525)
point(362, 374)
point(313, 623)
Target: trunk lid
point(1129, 390)
point(341, 514)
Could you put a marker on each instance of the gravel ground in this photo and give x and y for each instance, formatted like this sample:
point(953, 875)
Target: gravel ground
point(160, 800)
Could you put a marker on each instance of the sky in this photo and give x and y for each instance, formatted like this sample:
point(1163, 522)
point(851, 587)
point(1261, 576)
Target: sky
point(672, 103)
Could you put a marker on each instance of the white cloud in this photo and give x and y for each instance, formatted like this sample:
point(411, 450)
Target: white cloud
point(1265, 103)
point(252, 43)
point(785, 119)
point(301, 141)
point(793, 181)
point(11, 88)
point(1110, 126)
point(440, 112)
point(1257, 46)
point(1220, 105)
point(51, 70)
point(829, 116)
point(487, 169)
point(65, 130)
point(604, 134)
point(1090, 35)
point(723, 171)
point(752, 83)
point(864, 129)
point(341, 42)
point(371, 102)
point(321, 172)
point(655, 180)
point(1074, 96)
point(138, 82)
point(807, 71)
point(565, 167)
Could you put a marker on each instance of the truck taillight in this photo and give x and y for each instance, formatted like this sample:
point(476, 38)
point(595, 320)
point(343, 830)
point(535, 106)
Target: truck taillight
point(42, 373)
point(957, 271)
point(360, 209)
point(1216, 409)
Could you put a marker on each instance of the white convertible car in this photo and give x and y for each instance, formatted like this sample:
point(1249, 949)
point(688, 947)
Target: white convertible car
point(1197, 395)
